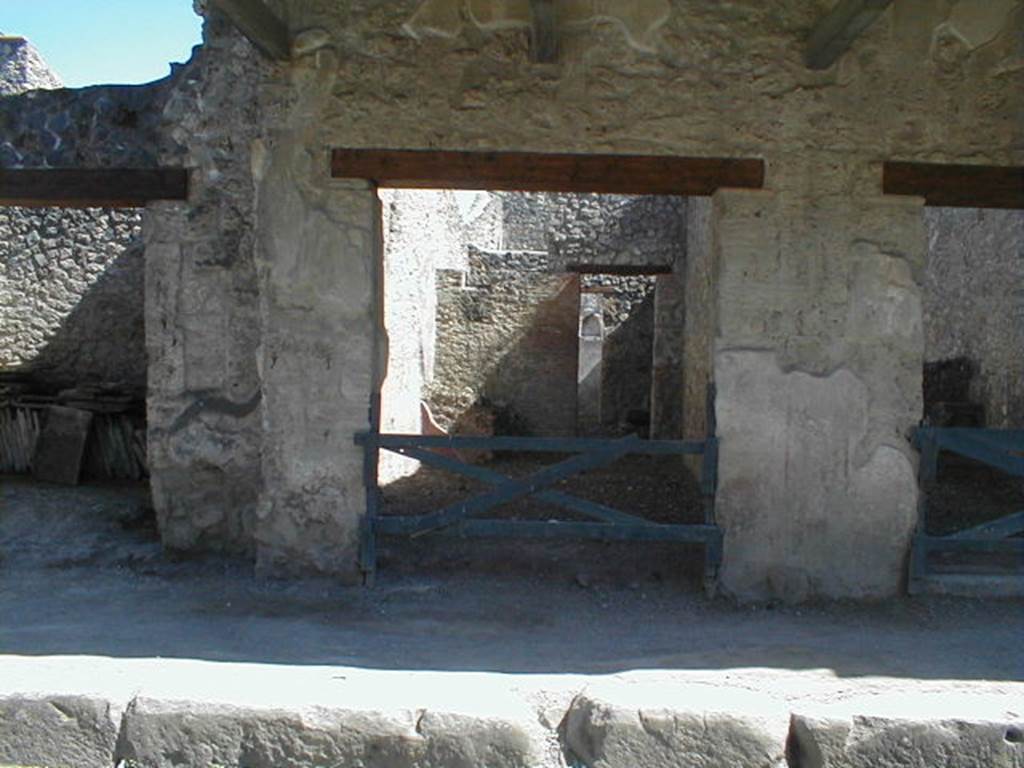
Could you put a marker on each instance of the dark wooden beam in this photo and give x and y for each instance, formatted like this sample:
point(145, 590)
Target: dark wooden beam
point(835, 33)
point(535, 172)
point(957, 186)
point(258, 23)
point(91, 187)
point(543, 31)
point(619, 269)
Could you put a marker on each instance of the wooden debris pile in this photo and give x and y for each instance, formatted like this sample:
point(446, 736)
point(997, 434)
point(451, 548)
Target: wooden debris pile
point(116, 444)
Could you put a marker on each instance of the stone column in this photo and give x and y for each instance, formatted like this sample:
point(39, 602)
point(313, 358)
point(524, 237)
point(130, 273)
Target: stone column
point(817, 359)
point(319, 258)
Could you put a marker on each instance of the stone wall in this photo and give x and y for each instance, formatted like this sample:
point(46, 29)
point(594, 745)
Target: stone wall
point(423, 232)
point(495, 307)
point(817, 496)
point(699, 312)
point(626, 368)
point(667, 360)
point(100, 126)
point(817, 358)
point(507, 332)
point(205, 308)
point(22, 68)
point(974, 303)
point(609, 231)
point(594, 231)
point(71, 281)
point(71, 290)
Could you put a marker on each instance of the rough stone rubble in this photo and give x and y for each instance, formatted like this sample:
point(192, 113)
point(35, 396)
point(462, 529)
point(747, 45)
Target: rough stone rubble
point(22, 68)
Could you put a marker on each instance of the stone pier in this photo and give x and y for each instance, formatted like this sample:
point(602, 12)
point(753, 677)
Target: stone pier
point(817, 355)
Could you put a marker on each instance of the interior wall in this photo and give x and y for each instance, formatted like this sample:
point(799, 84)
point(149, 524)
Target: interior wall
point(974, 304)
point(818, 347)
point(700, 307)
point(707, 79)
point(71, 294)
point(423, 232)
point(507, 333)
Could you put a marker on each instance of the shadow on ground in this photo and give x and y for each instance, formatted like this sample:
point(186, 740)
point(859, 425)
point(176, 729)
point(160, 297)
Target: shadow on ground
point(81, 573)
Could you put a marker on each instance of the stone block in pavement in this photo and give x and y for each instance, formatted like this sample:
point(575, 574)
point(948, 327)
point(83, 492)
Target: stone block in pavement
point(58, 731)
point(665, 725)
point(865, 741)
point(162, 734)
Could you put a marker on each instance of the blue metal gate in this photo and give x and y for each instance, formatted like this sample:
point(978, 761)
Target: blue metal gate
point(998, 448)
point(464, 519)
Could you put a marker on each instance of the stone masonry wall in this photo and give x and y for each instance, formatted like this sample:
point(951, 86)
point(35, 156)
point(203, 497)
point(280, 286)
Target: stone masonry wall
point(204, 327)
point(99, 126)
point(699, 323)
point(423, 230)
point(645, 231)
point(818, 348)
point(708, 79)
point(71, 280)
point(506, 332)
point(22, 68)
point(974, 303)
point(591, 230)
point(71, 294)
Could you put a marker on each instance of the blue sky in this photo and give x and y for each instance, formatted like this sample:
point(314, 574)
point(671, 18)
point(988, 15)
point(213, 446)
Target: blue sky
point(105, 41)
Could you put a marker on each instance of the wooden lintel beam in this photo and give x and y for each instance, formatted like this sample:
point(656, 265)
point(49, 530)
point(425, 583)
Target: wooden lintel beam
point(91, 187)
point(258, 23)
point(835, 33)
point(957, 186)
point(543, 31)
point(630, 270)
point(537, 172)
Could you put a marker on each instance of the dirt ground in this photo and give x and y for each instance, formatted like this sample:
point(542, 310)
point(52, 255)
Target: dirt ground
point(82, 572)
point(661, 489)
point(657, 488)
point(966, 494)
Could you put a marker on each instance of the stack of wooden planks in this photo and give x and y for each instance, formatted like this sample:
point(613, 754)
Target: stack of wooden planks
point(116, 444)
point(19, 431)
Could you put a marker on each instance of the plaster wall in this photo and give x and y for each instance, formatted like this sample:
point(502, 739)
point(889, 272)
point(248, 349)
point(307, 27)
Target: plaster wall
point(817, 354)
point(699, 307)
point(321, 359)
point(205, 332)
point(704, 79)
point(667, 360)
point(423, 230)
point(974, 303)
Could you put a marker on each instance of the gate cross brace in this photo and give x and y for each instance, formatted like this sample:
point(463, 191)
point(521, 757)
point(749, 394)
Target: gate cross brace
point(512, 489)
point(564, 500)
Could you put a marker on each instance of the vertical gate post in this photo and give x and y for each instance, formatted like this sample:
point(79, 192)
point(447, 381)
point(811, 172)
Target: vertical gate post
point(708, 484)
point(926, 473)
point(367, 530)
